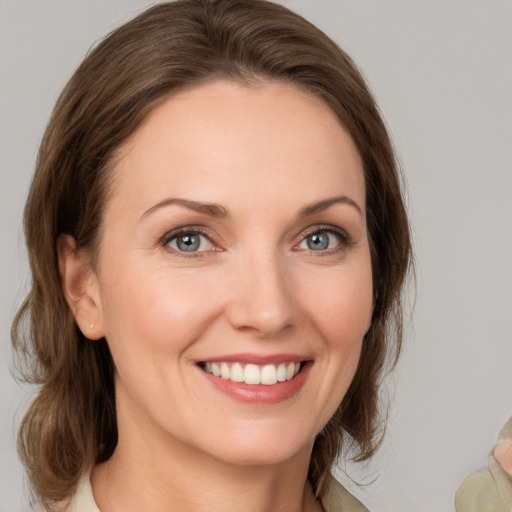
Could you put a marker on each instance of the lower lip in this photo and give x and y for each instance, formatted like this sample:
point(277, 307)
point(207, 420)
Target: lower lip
point(260, 394)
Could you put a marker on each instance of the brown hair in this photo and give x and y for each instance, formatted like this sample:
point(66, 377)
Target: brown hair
point(71, 424)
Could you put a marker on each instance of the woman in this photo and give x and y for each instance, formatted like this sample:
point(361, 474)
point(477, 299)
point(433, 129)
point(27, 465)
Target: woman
point(218, 245)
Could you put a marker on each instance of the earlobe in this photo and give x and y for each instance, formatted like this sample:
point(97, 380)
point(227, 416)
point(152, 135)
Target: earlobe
point(80, 287)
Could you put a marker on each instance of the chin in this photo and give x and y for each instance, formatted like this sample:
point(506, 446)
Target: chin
point(245, 457)
point(263, 448)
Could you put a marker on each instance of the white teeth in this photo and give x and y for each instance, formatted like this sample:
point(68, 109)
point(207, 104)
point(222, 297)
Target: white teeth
point(281, 372)
point(216, 369)
point(269, 375)
point(237, 373)
point(290, 370)
point(253, 374)
point(224, 371)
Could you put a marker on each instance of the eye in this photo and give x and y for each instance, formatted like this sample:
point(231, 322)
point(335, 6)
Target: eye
point(321, 240)
point(189, 242)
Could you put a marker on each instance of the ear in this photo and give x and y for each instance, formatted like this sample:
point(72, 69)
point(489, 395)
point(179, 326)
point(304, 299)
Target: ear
point(80, 287)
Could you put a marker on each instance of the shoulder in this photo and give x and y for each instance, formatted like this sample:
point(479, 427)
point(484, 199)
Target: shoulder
point(338, 499)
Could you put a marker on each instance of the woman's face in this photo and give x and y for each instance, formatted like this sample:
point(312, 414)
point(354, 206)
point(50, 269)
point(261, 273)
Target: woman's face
point(234, 241)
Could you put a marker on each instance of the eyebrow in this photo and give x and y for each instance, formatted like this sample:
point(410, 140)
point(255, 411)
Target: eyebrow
point(213, 210)
point(326, 203)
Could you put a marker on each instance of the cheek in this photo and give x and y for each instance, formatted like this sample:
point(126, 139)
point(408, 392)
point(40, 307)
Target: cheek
point(156, 311)
point(340, 309)
point(341, 304)
point(151, 319)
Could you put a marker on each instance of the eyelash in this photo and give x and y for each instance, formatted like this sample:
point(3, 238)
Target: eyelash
point(346, 240)
point(183, 231)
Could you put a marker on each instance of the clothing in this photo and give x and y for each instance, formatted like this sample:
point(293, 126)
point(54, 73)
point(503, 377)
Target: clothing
point(338, 499)
point(488, 490)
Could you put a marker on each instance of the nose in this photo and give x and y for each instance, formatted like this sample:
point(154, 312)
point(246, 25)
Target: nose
point(262, 299)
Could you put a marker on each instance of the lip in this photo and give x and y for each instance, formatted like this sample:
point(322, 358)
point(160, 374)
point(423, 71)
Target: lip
point(259, 359)
point(259, 394)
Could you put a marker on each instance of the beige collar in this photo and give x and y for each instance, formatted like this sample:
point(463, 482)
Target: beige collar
point(338, 499)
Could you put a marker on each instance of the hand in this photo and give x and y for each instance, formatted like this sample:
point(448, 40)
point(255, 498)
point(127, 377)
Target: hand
point(503, 454)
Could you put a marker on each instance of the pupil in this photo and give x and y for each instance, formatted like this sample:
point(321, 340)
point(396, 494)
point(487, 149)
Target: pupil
point(188, 243)
point(318, 241)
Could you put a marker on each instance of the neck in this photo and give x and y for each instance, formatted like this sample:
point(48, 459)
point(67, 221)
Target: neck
point(151, 470)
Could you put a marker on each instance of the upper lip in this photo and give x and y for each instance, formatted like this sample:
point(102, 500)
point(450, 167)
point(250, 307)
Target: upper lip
point(258, 359)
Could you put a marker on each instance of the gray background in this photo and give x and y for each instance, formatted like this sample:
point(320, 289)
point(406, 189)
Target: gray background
point(441, 71)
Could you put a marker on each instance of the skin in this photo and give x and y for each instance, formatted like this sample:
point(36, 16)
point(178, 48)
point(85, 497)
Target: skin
point(503, 454)
point(264, 154)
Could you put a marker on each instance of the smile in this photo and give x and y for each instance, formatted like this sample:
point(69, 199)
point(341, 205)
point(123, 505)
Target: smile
point(253, 374)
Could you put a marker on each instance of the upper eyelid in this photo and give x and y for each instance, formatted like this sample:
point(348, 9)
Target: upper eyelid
point(324, 227)
point(214, 239)
point(188, 229)
point(346, 239)
point(165, 240)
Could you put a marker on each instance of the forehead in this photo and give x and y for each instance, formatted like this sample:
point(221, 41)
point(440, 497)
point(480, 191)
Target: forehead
point(223, 141)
